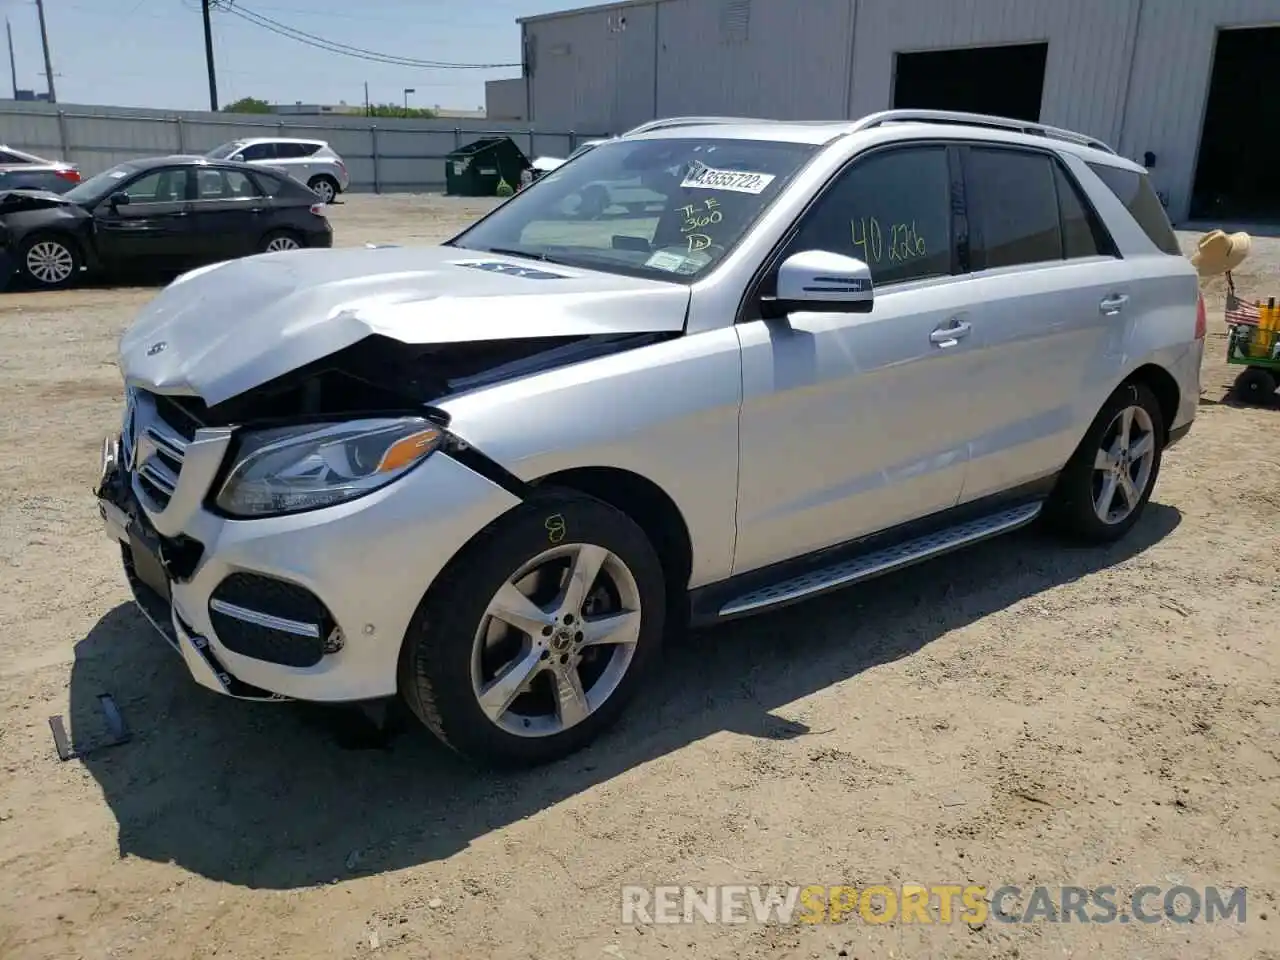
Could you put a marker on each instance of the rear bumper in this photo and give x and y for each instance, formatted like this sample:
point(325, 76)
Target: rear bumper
point(320, 238)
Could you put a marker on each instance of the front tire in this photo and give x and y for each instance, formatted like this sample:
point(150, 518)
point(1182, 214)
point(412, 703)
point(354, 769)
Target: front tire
point(326, 188)
point(537, 635)
point(1106, 484)
point(49, 261)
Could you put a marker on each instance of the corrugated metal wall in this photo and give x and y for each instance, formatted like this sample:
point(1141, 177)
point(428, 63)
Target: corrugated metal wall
point(1133, 72)
point(1171, 70)
point(386, 155)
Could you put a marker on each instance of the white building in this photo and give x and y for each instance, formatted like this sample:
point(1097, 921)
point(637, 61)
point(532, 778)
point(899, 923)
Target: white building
point(1134, 73)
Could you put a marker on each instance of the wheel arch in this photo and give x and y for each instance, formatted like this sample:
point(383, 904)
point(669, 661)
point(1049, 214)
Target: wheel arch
point(650, 507)
point(1165, 388)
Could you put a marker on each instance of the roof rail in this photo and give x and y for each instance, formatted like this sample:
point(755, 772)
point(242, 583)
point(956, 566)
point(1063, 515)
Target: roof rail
point(979, 120)
point(667, 122)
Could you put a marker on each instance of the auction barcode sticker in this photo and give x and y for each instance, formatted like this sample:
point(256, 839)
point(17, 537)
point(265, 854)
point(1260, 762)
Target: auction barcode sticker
point(703, 177)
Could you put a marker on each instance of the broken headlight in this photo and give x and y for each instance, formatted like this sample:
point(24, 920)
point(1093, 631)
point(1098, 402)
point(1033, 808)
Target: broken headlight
point(290, 469)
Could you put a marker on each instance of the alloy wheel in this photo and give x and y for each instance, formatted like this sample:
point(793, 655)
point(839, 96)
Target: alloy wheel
point(1122, 465)
point(556, 640)
point(277, 244)
point(324, 190)
point(50, 262)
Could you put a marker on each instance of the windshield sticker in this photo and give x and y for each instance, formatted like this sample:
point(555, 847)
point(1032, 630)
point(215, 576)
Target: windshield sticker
point(666, 260)
point(117, 174)
point(702, 177)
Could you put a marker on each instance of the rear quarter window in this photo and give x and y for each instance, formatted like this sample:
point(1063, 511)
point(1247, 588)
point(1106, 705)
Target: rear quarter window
point(1134, 190)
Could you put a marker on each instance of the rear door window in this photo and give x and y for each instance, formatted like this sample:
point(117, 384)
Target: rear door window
point(259, 151)
point(292, 151)
point(1013, 208)
point(891, 210)
point(1134, 190)
point(1082, 233)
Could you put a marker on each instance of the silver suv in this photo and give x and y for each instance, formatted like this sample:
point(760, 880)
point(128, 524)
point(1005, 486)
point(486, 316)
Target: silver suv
point(313, 162)
point(489, 476)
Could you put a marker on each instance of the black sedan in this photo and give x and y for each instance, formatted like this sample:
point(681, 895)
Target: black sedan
point(164, 214)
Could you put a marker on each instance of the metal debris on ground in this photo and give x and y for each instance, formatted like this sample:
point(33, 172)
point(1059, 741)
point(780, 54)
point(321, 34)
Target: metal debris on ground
point(118, 732)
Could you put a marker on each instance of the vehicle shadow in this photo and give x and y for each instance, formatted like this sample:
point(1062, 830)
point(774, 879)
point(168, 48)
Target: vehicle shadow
point(268, 796)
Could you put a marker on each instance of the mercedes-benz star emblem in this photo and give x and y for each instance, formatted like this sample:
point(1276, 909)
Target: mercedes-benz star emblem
point(157, 347)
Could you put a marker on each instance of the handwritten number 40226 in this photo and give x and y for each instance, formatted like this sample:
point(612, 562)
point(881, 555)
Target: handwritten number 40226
point(903, 242)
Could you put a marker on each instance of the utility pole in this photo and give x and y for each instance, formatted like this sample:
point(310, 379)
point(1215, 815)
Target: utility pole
point(48, 61)
point(368, 112)
point(13, 64)
point(208, 54)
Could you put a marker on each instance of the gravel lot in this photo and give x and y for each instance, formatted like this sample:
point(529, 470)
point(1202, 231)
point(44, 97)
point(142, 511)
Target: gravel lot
point(1031, 715)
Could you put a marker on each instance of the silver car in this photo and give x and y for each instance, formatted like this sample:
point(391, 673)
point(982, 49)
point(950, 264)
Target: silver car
point(489, 476)
point(313, 162)
point(20, 170)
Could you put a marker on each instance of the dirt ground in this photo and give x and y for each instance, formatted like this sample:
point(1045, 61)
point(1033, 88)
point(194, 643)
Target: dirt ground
point(1030, 715)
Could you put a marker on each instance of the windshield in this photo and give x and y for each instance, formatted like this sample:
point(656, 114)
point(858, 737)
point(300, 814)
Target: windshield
point(669, 208)
point(95, 188)
point(224, 150)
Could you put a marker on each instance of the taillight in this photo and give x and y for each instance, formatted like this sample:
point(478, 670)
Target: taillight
point(318, 209)
point(1201, 320)
point(73, 175)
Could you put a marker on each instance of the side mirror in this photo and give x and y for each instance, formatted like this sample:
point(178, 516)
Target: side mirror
point(120, 199)
point(824, 282)
point(237, 158)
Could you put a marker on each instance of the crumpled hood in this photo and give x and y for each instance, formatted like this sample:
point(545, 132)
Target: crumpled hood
point(221, 330)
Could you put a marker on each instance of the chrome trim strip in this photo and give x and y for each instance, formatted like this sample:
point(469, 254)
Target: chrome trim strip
point(168, 442)
point(160, 475)
point(296, 627)
point(883, 561)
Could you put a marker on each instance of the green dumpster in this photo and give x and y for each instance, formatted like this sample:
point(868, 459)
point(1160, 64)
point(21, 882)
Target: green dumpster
point(476, 169)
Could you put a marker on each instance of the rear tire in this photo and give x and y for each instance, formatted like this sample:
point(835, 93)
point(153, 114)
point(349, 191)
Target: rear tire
point(324, 187)
point(462, 662)
point(279, 240)
point(1106, 484)
point(1255, 385)
point(49, 261)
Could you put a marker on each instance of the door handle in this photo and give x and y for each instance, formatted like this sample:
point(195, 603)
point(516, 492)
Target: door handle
point(949, 336)
point(1112, 305)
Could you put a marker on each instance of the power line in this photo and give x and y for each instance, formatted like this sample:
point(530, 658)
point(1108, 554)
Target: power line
point(360, 53)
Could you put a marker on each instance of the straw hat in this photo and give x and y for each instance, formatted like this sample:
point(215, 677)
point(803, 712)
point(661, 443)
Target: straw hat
point(1219, 252)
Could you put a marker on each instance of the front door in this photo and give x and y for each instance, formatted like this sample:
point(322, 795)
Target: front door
point(855, 423)
point(153, 230)
point(228, 212)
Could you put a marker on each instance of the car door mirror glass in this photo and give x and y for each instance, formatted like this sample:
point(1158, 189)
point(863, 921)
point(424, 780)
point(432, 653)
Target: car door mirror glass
point(821, 281)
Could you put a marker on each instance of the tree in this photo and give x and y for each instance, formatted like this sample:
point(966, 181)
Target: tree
point(395, 110)
point(248, 105)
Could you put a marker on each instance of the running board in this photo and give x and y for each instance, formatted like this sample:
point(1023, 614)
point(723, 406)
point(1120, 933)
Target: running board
point(883, 561)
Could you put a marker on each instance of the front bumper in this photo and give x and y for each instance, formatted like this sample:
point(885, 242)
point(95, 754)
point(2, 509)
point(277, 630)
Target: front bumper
point(367, 563)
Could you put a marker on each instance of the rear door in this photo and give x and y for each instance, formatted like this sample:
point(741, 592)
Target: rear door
point(229, 213)
point(1049, 297)
point(155, 227)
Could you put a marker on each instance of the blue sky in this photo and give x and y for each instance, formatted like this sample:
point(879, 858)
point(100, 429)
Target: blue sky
point(150, 53)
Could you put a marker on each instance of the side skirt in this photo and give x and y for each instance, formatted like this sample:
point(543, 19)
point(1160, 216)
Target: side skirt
point(834, 568)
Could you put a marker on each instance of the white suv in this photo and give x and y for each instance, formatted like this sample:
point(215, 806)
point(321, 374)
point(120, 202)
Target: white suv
point(313, 162)
point(489, 476)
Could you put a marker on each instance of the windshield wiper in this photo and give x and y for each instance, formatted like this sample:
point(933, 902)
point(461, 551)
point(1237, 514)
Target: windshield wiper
point(526, 254)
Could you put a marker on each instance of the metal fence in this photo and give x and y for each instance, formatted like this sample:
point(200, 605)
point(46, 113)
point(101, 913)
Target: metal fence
point(383, 155)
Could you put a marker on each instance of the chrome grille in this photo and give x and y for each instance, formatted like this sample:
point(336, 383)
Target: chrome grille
point(154, 448)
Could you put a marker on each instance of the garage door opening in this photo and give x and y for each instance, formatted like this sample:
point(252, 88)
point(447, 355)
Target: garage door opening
point(1007, 81)
point(1236, 175)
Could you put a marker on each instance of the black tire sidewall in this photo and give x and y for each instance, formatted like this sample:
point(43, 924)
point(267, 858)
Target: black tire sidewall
point(77, 260)
point(1257, 385)
point(436, 663)
point(1071, 507)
